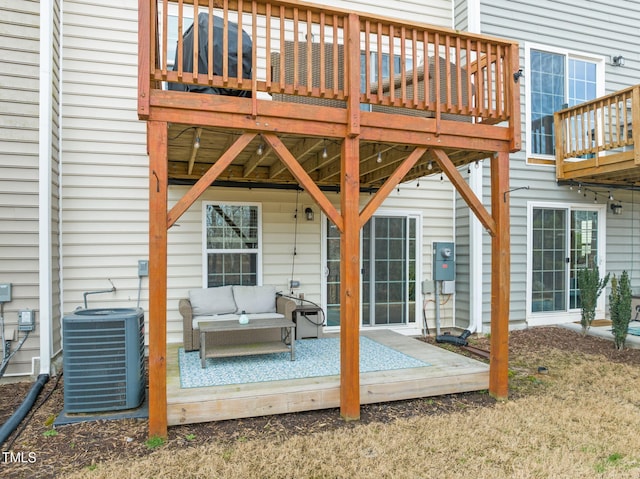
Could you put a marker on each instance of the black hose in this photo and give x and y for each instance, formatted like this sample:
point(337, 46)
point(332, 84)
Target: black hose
point(16, 418)
point(457, 340)
point(448, 338)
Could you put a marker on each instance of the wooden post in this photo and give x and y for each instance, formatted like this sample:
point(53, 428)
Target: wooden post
point(350, 281)
point(500, 278)
point(144, 52)
point(158, 183)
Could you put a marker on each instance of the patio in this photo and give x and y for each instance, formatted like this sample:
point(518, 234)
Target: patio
point(443, 372)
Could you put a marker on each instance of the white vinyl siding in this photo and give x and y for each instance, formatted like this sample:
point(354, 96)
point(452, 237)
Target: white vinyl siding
point(19, 100)
point(435, 12)
point(105, 206)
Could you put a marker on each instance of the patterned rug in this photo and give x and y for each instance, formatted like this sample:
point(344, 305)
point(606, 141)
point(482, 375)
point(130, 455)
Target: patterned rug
point(314, 357)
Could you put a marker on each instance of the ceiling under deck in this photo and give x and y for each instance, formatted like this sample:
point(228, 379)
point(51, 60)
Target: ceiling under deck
point(257, 164)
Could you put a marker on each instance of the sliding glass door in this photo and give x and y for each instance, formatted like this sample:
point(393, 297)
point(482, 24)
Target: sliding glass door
point(389, 265)
point(563, 240)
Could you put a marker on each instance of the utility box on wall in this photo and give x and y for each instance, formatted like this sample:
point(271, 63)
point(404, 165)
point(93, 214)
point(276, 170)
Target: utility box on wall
point(443, 261)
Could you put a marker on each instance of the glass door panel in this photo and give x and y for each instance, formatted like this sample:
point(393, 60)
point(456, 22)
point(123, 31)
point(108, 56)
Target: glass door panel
point(584, 249)
point(389, 265)
point(549, 260)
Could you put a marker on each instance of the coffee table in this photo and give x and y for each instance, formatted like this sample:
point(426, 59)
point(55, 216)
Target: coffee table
point(286, 343)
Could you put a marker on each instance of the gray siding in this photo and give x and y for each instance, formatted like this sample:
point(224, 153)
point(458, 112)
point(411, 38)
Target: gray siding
point(19, 47)
point(604, 28)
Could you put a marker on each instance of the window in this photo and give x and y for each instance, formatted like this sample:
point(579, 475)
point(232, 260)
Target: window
point(373, 74)
point(232, 244)
point(557, 79)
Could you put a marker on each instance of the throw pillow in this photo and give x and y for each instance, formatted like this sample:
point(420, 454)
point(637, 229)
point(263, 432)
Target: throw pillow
point(255, 299)
point(210, 301)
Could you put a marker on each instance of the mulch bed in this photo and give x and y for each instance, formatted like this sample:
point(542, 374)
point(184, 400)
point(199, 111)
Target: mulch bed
point(75, 446)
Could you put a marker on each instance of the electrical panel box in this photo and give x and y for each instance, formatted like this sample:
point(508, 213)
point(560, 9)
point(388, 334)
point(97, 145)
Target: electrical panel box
point(26, 320)
point(143, 267)
point(5, 292)
point(443, 261)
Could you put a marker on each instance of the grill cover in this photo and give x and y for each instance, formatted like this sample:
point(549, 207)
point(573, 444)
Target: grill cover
point(203, 55)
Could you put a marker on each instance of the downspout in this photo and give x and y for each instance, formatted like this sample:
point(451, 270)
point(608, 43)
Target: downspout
point(44, 189)
point(475, 227)
point(16, 418)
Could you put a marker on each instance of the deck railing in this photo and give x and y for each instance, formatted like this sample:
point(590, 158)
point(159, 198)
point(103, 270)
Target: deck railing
point(602, 127)
point(301, 51)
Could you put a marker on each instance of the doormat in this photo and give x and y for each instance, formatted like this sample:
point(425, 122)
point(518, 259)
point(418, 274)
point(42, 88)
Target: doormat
point(598, 322)
point(634, 331)
point(314, 357)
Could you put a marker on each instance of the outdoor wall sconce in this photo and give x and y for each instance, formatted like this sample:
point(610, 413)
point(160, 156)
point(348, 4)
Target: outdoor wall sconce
point(618, 61)
point(308, 212)
point(517, 75)
point(616, 208)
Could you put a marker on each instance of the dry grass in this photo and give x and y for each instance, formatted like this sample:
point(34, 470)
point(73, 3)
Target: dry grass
point(580, 420)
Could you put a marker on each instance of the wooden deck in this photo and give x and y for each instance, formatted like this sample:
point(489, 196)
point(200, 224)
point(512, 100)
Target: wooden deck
point(319, 113)
point(448, 373)
point(598, 142)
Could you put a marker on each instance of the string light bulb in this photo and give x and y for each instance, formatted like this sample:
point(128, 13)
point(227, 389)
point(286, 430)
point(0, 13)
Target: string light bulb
point(324, 153)
point(379, 158)
point(441, 178)
point(196, 144)
point(610, 197)
point(477, 165)
point(579, 188)
point(430, 166)
point(260, 150)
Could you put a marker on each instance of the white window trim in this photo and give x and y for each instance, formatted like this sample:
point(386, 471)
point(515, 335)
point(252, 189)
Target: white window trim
point(599, 60)
point(204, 238)
point(409, 328)
point(569, 316)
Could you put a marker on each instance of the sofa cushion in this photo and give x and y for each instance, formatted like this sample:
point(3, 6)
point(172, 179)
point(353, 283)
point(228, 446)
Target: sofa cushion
point(255, 299)
point(209, 301)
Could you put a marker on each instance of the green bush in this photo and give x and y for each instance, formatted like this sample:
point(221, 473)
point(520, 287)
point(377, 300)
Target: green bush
point(590, 286)
point(620, 309)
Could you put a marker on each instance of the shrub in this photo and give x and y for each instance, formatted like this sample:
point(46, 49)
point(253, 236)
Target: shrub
point(620, 309)
point(590, 285)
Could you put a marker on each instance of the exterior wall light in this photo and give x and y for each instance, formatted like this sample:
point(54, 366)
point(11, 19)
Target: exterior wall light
point(308, 212)
point(618, 61)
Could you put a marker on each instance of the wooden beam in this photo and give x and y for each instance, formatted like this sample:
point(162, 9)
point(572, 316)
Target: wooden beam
point(500, 278)
point(465, 191)
point(635, 122)
point(144, 58)
point(209, 177)
point(350, 282)
point(299, 151)
point(352, 74)
point(389, 185)
point(158, 185)
point(515, 127)
point(304, 179)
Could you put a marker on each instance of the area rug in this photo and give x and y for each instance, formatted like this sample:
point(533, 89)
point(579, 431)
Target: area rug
point(314, 357)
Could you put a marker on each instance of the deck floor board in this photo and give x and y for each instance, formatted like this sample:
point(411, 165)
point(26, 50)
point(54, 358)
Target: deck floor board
point(447, 373)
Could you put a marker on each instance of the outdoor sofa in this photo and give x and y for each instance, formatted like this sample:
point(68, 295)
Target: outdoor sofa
point(227, 303)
